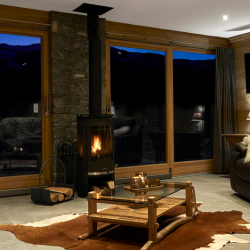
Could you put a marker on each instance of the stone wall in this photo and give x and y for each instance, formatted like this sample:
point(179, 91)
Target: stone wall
point(70, 74)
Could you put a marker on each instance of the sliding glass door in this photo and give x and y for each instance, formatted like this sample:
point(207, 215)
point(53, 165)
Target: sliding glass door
point(164, 98)
point(20, 105)
point(138, 105)
point(194, 92)
point(24, 125)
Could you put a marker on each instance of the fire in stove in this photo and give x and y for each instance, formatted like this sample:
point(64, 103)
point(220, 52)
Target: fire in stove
point(96, 145)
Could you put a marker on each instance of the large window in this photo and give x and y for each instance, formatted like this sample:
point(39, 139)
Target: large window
point(138, 104)
point(20, 105)
point(194, 90)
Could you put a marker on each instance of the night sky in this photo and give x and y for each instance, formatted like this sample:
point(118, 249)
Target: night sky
point(18, 40)
point(26, 40)
point(176, 54)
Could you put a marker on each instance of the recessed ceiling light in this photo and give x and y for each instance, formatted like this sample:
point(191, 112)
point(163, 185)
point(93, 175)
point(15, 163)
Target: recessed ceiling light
point(225, 17)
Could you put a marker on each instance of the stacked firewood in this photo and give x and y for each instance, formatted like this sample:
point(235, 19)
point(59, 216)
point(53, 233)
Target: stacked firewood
point(60, 193)
point(105, 190)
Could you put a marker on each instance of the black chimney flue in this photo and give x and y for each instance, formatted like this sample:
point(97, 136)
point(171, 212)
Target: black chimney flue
point(95, 54)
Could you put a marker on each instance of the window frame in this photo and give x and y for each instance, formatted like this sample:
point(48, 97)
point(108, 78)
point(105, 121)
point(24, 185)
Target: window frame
point(204, 164)
point(174, 168)
point(24, 181)
point(153, 169)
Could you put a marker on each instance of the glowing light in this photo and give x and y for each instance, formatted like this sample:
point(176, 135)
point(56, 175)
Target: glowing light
point(96, 144)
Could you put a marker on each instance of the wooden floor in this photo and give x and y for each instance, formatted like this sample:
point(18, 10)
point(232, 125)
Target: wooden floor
point(135, 216)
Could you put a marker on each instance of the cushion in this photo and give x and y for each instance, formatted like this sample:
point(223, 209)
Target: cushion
point(240, 147)
point(246, 141)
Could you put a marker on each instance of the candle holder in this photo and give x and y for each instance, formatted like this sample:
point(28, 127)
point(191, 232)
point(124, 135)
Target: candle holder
point(136, 182)
point(143, 176)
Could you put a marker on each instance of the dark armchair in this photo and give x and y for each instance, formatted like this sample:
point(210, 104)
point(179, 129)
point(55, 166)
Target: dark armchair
point(240, 171)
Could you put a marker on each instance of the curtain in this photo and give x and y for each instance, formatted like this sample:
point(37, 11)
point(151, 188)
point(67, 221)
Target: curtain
point(225, 108)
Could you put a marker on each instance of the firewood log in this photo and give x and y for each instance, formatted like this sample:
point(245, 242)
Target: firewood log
point(110, 184)
point(95, 188)
point(62, 190)
point(56, 197)
point(53, 197)
point(67, 197)
point(60, 196)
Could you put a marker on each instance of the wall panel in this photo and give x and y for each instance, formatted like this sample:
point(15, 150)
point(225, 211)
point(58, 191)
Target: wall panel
point(241, 45)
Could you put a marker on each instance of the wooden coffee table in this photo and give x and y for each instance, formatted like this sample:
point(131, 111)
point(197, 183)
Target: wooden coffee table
point(141, 210)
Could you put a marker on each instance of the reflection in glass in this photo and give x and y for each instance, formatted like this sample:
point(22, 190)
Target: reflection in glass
point(138, 105)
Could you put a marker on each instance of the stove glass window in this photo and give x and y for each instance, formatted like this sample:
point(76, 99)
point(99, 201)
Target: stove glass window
point(101, 143)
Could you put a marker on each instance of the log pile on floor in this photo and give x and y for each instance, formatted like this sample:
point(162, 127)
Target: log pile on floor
point(102, 190)
point(60, 193)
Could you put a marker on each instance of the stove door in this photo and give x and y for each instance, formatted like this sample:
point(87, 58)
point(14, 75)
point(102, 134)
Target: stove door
point(100, 147)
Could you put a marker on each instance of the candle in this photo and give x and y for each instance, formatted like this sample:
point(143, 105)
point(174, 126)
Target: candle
point(136, 182)
point(98, 195)
point(143, 176)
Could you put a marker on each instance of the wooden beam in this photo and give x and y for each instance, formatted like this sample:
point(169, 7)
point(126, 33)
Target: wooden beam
point(162, 36)
point(22, 17)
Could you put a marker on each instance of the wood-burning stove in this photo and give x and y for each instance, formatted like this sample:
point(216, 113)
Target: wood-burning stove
point(95, 139)
point(95, 131)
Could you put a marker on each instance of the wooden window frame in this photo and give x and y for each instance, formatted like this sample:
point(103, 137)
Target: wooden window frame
point(198, 166)
point(177, 168)
point(24, 181)
point(153, 169)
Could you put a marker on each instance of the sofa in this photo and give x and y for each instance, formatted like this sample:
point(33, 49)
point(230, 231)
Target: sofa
point(240, 171)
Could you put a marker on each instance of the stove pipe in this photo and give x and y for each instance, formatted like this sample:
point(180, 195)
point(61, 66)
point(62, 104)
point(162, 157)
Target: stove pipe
point(95, 54)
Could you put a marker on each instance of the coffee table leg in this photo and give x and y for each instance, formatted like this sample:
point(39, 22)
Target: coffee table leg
point(92, 209)
point(152, 219)
point(190, 200)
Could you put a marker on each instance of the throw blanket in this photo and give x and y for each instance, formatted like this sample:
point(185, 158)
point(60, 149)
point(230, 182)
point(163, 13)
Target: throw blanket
point(246, 141)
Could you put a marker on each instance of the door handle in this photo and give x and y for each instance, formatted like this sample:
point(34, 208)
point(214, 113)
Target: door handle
point(47, 105)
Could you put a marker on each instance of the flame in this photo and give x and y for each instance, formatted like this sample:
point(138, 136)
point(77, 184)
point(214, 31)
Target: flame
point(96, 144)
point(98, 195)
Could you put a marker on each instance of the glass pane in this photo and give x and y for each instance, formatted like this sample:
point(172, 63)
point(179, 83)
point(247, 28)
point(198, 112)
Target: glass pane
point(194, 86)
point(124, 193)
point(138, 104)
point(20, 105)
point(101, 143)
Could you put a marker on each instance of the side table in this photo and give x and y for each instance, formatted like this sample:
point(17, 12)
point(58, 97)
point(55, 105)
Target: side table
point(234, 138)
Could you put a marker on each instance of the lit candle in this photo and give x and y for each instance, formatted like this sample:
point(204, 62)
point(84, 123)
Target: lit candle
point(142, 179)
point(98, 195)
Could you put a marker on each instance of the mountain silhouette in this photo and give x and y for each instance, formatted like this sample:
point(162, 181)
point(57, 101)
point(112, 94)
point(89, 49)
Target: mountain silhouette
point(141, 77)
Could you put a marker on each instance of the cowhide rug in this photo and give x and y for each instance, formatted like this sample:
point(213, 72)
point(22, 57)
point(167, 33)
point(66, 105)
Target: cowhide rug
point(206, 230)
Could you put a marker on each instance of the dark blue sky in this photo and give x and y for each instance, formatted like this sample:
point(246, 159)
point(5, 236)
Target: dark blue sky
point(26, 40)
point(176, 54)
point(18, 40)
